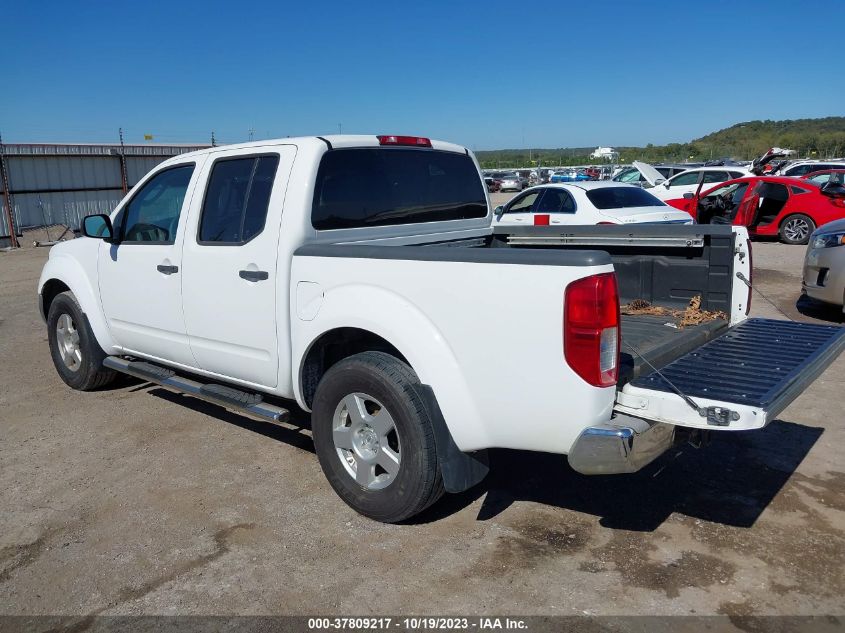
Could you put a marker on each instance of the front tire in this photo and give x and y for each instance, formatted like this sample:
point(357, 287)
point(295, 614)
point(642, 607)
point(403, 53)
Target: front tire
point(374, 437)
point(796, 229)
point(77, 356)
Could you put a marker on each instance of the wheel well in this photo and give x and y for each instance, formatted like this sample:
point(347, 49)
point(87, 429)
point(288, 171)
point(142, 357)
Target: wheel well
point(50, 291)
point(334, 346)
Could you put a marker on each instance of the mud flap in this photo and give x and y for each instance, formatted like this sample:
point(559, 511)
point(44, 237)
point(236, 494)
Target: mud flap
point(460, 471)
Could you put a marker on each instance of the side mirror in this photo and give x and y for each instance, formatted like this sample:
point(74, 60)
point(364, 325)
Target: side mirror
point(665, 183)
point(499, 212)
point(689, 196)
point(97, 226)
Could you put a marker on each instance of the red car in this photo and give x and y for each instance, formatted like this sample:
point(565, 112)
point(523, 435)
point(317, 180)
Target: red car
point(768, 205)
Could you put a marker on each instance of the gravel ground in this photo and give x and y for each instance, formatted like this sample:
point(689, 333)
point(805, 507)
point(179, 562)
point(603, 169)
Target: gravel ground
point(133, 500)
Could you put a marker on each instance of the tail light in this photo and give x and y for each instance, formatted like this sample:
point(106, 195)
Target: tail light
point(591, 333)
point(414, 141)
point(838, 202)
point(541, 219)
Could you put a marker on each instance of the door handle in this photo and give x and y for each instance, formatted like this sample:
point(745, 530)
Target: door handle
point(167, 270)
point(254, 275)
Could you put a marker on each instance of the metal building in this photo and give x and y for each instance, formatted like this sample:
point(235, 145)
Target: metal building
point(62, 183)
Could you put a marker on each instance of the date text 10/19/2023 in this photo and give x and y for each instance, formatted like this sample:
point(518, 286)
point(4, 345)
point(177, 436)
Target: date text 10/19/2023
point(417, 623)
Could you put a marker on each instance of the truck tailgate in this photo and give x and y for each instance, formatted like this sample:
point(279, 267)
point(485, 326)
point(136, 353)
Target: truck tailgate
point(740, 380)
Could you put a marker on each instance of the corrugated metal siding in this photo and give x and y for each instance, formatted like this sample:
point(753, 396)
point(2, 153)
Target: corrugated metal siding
point(73, 181)
point(44, 173)
point(67, 207)
point(4, 224)
point(138, 167)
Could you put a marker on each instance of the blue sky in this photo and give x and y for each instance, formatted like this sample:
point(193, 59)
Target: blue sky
point(487, 75)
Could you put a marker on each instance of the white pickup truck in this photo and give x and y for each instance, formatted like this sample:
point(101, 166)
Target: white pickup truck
point(360, 277)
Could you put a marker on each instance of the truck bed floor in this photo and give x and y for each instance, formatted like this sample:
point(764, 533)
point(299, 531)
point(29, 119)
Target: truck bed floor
point(659, 343)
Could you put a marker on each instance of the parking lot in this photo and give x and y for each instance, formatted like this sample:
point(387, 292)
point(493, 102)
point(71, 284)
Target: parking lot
point(135, 500)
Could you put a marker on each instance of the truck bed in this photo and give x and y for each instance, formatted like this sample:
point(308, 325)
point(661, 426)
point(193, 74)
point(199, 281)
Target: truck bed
point(655, 342)
point(665, 265)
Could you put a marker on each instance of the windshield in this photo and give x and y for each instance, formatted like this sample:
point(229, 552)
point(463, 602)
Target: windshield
point(379, 186)
point(622, 197)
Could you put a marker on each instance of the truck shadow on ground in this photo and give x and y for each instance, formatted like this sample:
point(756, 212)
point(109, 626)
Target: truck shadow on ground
point(731, 481)
point(296, 434)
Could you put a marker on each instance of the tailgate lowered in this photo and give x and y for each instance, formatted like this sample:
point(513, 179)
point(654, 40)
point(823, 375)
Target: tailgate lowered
point(740, 380)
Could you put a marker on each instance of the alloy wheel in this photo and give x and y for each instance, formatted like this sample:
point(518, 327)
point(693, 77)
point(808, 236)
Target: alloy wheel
point(366, 440)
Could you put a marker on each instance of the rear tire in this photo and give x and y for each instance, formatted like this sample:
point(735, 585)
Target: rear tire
point(796, 229)
point(374, 437)
point(77, 356)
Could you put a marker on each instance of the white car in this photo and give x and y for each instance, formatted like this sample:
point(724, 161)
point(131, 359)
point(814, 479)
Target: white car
point(687, 181)
point(800, 168)
point(588, 202)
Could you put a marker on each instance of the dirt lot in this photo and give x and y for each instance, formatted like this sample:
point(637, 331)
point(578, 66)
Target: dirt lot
point(134, 500)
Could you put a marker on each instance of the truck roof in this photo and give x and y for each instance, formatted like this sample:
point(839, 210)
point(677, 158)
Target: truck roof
point(332, 140)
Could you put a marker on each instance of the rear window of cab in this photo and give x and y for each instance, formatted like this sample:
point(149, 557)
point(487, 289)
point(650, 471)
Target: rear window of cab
point(378, 186)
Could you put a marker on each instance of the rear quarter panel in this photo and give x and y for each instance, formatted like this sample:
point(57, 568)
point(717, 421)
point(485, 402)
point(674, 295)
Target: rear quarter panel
point(486, 337)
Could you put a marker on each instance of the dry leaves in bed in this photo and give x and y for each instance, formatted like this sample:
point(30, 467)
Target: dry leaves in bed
point(691, 315)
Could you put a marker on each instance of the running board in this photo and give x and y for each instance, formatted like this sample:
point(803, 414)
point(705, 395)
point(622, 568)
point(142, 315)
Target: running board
point(241, 401)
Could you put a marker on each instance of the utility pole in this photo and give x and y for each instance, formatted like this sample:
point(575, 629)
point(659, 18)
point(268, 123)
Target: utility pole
point(340, 128)
point(213, 142)
point(123, 177)
point(251, 134)
point(7, 196)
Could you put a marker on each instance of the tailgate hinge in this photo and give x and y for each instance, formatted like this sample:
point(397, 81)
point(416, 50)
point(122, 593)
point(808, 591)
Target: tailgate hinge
point(718, 416)
point(631, 402)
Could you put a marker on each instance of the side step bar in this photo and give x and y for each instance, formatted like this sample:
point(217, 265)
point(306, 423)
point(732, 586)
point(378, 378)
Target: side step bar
point(247, 403)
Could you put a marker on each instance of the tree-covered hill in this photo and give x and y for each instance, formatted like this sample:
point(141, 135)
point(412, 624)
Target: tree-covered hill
point(822, 138)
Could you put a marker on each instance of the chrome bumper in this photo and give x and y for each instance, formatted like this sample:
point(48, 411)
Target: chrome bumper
point(622, 445)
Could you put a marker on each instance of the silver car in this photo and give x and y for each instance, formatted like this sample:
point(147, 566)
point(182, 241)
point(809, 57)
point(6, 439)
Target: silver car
point(824, 264)
point(512, 181)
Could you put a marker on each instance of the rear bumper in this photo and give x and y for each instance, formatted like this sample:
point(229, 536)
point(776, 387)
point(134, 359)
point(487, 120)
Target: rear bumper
point(623, 445)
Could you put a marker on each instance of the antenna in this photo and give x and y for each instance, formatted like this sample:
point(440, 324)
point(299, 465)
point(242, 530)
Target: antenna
point(213, 142)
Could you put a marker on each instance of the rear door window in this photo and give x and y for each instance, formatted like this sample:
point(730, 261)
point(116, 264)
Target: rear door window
point(715, 176)
point(555, 201)
point(688, 178)
point(236, 200)
point(384, 186)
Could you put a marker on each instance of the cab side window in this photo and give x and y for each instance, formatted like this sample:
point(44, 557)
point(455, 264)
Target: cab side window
point(236, 200)
point(152, 215)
